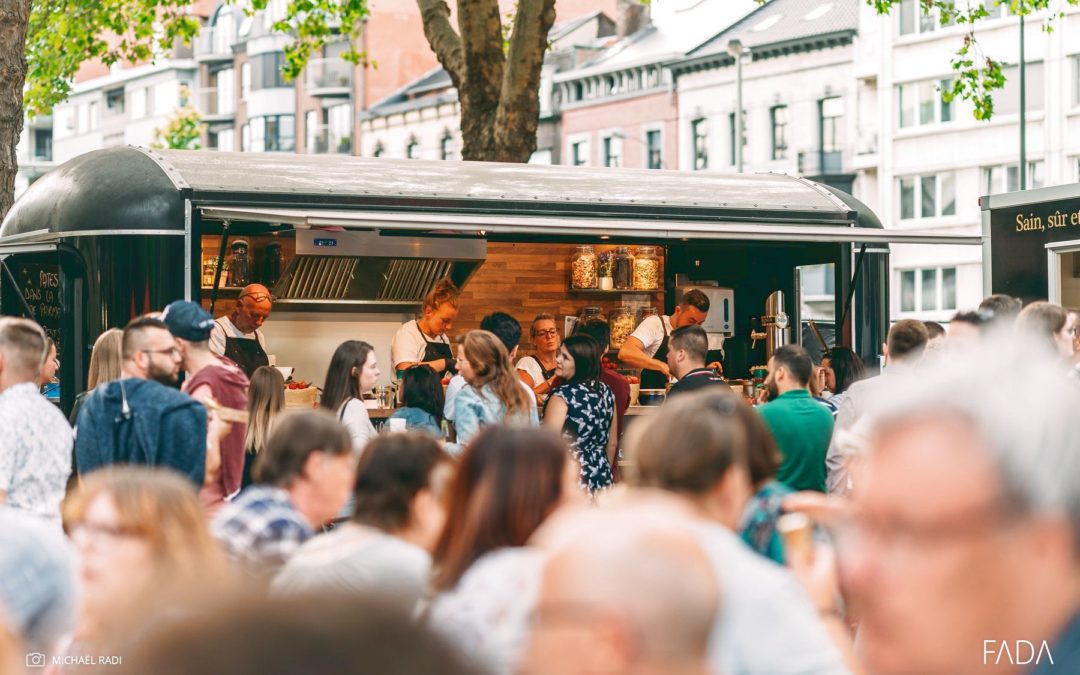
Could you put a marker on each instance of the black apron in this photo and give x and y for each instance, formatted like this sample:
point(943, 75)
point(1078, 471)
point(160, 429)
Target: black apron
point(246, 353)
point(654, 379)
point(547, 372)
point(434, 350)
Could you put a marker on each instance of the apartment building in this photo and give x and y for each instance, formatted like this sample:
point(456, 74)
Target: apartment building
point(618, 108)
point(422, 120)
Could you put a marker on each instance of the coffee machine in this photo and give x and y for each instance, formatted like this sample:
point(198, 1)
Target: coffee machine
point(775, 330)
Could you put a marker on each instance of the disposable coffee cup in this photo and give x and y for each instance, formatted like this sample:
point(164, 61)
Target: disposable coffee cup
point(797, 534)
point(396, 424)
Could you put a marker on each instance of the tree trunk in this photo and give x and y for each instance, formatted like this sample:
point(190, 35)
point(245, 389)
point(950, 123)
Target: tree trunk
point(498, 92)
point(519, 99)
point(14, 18)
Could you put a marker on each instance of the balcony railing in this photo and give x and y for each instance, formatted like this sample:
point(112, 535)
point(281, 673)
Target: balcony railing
point(214, 44)
point(323, 141)
point(211, 103)
point(328, 76)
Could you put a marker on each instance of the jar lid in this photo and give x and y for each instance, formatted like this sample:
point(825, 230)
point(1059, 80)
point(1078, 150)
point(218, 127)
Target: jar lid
point(646, 249)
point(237, 243)
point(585, 247)
point(622, 249)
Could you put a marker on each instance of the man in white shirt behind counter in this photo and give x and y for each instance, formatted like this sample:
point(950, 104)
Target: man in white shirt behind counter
point(647, 346)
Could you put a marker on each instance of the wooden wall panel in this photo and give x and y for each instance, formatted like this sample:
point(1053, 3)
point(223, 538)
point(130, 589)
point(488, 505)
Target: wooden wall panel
point(524, 280)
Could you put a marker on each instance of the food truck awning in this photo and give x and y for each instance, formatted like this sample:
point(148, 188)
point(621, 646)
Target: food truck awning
point(579, 226)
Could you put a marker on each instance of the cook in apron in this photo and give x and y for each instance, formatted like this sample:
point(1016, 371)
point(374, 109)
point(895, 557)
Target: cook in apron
point(654, 379)
point(434, 350)
point(246, 353)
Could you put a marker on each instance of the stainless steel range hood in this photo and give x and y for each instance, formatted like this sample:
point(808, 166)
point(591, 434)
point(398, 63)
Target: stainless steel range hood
point(368, 271)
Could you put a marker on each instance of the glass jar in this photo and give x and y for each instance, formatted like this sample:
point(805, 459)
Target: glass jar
point(645, 313)
point(240, 269)
point(623, 269)
point(606, 264)
point(209, 268)
point(584, 268)
point(590, 314)
point(273, 263)
point(621, 321)
point(646, 269)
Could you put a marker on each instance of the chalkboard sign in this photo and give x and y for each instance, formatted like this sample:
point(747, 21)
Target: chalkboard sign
point(40, 286)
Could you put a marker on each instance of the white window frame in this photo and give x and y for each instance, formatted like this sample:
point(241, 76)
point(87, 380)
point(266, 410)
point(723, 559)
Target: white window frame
point(939, 280)
point(585, 142)
point(919, 28)
point(1003, 179)
point(613, 140)
point(694, 144)
point(940, 105)
point(939, 203)
point(645, 131)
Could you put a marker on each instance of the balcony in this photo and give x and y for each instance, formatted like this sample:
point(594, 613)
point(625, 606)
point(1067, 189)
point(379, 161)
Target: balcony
point(328, 77)
point(324, 141)
point(215, 106)
point(214, 44)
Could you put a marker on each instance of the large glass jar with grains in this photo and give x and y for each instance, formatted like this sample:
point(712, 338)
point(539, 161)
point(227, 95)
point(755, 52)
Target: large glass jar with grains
point(621, 322)
point(645, 313)
point(623, 269)
point(583, 268)
point(646, 269)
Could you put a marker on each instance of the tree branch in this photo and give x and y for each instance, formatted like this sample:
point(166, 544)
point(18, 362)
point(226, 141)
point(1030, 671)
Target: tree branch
point(519, 97)
point(443, 39)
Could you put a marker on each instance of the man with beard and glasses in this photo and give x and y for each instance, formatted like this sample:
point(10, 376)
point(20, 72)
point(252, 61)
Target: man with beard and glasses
point(141, 418)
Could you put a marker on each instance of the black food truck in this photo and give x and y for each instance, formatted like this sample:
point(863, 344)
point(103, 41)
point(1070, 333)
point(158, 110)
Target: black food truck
point(1031, 246)
point(351, 245)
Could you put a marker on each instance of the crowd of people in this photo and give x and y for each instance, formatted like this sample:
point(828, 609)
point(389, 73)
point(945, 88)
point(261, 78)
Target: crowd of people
point(922, 520)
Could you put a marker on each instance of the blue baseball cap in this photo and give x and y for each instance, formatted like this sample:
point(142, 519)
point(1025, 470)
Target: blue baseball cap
point(188, 321)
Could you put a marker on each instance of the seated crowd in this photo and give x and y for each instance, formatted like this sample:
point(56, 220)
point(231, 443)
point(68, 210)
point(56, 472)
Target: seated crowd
point(924, 520)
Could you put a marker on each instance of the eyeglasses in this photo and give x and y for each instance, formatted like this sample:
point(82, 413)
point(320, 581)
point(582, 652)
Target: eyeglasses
point(549, 333)
point(171, 351)
point(257, 297)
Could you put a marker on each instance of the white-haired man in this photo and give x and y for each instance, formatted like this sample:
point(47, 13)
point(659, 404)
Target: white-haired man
point(965, 550)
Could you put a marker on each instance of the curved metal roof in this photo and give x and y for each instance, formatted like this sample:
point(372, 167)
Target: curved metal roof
point(130, 189)
point(112, 189)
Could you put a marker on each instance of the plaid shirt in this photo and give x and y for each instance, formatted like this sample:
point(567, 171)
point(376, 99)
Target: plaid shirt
point(261, 528)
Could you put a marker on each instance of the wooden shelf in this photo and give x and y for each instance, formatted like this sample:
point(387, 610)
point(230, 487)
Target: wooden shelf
point(597, 291)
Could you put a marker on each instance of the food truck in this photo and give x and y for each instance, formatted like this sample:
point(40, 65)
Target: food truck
point(1031, 244)
point(351, 245)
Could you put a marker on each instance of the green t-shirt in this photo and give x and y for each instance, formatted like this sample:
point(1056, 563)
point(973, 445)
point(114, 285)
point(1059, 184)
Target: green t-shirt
point(802, 428)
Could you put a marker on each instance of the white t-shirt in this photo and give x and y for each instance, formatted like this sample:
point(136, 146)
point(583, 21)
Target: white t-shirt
point(651, 333)
point(224, 327)
point(354, 415)
point(409, 344)
point(531, 365)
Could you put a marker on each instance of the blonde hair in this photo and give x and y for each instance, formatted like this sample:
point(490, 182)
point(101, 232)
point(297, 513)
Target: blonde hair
point(105, 358)
point(162, 508)
point(266, 398)
point(444, 291)
point(491, 363)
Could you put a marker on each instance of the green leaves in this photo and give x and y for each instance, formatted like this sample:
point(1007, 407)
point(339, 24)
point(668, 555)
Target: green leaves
point(978, 75)
point(184, 128)
point(63, 35)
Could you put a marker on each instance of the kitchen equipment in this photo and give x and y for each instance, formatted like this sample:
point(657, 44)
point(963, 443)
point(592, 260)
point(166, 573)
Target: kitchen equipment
point(591, 314)
point(651, 396)
point(721, 318)
point(774, 324)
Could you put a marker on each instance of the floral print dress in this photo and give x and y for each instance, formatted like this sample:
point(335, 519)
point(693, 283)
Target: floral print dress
point(589, 410)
